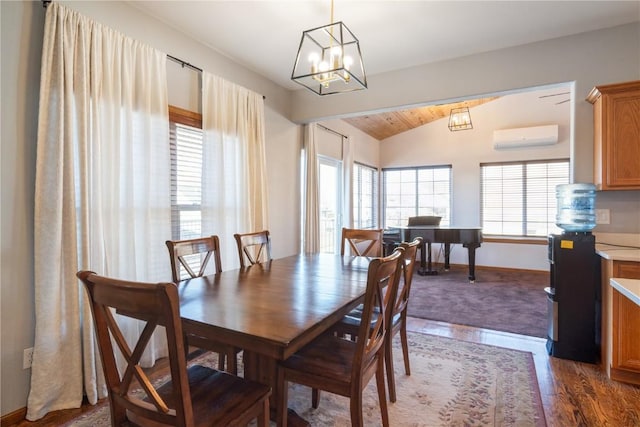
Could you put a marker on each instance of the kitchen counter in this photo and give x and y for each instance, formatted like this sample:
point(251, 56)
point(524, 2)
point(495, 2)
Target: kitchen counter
point(618, 246)
point(630, 288)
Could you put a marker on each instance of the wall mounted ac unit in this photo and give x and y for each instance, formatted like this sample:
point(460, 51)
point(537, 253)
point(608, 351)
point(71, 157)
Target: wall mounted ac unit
point(525, 137)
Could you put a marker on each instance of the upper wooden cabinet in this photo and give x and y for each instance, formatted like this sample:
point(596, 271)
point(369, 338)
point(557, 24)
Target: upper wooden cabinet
point(616, 116)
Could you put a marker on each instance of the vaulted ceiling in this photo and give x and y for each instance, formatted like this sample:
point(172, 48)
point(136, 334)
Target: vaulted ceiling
point(385, 125)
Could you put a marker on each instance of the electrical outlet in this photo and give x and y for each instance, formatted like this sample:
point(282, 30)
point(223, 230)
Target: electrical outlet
point(27, 358)
point(602, 216)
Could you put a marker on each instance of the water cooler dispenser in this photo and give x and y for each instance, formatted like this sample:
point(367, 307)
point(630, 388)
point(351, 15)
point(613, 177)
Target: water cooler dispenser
point(573, 295)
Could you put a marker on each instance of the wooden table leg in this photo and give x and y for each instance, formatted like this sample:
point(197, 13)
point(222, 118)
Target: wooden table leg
point(265, 370)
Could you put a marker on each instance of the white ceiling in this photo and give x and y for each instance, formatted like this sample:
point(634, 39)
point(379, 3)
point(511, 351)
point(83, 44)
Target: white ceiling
point(264, 35)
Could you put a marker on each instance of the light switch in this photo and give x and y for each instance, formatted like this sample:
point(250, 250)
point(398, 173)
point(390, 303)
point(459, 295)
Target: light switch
point(602, 216)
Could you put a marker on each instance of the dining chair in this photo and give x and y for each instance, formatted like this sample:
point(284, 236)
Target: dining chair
point(253, 248)
point(396, 316)
point(362, 242)
point(187, 254)
point(192, 396)
point(342, 366)
point(193, 255)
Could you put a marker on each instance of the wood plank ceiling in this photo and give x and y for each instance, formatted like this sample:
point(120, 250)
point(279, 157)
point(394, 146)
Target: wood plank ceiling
point(384, 125)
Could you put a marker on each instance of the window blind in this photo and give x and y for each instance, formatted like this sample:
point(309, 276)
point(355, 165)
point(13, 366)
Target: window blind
point(518, 198)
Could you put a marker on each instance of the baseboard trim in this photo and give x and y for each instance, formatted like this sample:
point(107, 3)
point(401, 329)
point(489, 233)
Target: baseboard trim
point(489, 267)
point(14, 417)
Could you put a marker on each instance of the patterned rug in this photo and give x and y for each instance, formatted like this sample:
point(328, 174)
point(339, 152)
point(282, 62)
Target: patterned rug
point(452, 383)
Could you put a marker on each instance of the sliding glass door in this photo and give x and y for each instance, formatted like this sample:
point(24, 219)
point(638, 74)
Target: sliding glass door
point(330, 180)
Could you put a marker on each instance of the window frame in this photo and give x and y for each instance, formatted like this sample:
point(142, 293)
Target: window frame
point(192, 119)
point(446, 218)
point(525, 190)
point(358, 168)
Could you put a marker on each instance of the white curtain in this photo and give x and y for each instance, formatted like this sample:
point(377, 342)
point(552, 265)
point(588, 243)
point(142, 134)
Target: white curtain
point(311, 192)
point(234, 191)
point(102, 197)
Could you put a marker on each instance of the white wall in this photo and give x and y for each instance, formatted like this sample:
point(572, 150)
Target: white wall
point(365, 148)
point(22, 29)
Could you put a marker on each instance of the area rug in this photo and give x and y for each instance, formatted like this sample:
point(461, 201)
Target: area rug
point(503, 300)
point(452, 383)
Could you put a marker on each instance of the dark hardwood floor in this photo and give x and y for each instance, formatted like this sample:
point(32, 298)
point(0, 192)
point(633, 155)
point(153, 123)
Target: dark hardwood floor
point(573, 393)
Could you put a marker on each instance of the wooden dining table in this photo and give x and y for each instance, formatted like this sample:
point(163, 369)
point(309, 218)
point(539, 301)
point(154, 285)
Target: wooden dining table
point(273, 309)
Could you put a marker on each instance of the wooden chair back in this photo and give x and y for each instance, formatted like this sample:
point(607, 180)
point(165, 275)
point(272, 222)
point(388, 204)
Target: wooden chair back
point(382, 285)
point(404, 287)
point(192, 396)
point(424, 220)
point(253, 248)
point(342, 366)
point(362, 242)
point(157, 305)
point(185, 254)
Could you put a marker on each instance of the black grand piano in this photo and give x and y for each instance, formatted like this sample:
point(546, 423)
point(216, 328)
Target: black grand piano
point(469, 237)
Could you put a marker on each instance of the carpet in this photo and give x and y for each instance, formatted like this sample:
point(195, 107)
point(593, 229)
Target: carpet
point(452, 383)
point(503, 300)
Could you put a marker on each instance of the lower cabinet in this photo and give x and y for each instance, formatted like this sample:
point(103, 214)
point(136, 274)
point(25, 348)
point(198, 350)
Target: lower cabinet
point(620, 324)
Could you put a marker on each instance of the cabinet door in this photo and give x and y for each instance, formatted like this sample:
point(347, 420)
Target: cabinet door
point(626, 342)
point(622, 147)
point(616, 116)
point(625, 316)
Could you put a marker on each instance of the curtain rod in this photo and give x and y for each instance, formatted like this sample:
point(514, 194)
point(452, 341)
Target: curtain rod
point(193, 67)
point(331, 130)
point(45, 3)
point(184, 63)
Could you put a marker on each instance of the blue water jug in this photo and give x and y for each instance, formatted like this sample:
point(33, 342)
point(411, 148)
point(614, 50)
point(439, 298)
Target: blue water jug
point(576, 207)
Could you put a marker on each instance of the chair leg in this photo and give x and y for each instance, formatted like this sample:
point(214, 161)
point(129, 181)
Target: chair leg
point(355, 405)
point(381, 392)
point(405, 348)
point(315, 398)
point(388, 358)
point(263, 419)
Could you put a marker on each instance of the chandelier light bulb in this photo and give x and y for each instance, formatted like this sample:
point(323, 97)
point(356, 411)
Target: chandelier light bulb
point(348, 61)
point(314, 58)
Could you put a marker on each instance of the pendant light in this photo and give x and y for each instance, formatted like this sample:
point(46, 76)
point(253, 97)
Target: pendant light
point(329, 60)
point(460, 119)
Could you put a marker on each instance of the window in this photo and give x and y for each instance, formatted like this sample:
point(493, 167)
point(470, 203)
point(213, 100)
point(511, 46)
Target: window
point(519, 199)
point(186, 173)
point(365, 196)
point(416, 191)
